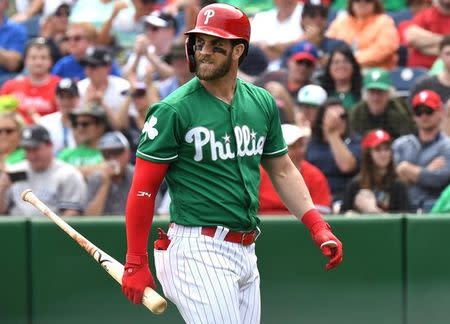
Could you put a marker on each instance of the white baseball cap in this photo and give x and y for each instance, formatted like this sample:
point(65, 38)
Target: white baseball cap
point(291, 133)
point(312, 94)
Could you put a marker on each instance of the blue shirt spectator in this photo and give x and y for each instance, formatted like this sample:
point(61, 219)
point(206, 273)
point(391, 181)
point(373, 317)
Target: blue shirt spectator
point(12, 39)
point(69, 67)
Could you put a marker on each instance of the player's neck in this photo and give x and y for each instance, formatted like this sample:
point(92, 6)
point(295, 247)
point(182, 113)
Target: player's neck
point(222, 88)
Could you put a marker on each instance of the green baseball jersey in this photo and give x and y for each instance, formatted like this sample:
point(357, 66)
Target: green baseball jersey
point(81, 156)
point(214, 150)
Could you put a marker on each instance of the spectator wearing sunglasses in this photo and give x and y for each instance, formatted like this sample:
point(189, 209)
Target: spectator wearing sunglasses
point(89, 123)
point(423, 159)
point(79, 37)
point(151, 48)
point(379, 109)
point(138, 98)
point(11, 124)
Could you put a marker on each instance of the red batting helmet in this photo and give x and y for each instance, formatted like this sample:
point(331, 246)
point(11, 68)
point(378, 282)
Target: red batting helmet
point(220, 20)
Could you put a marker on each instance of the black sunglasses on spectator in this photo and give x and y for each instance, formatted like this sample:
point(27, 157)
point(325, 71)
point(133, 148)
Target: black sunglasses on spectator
point(422, 109)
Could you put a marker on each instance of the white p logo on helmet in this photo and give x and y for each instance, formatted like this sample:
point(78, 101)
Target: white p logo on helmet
point(208, 14)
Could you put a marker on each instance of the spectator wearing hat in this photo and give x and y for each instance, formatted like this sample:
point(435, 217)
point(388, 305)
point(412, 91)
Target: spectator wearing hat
point(58, 123)
point(35, 91)
point(123, 24)
point(300, 62)
point(13, 38)
point(254, 64)
point(54, 28)
point(108, 186)
point(152, 47)
point(276, 29)
point(309, 99)
point(79, 37)
point(440, 83)
point(59, 185)
point(342, 77)
point(369, 31)
point(181, 74)
point(89, 123)
point(296, 138)
point(426, 31)
point(138, 99)
point(100, 87)
point(332, 148)
point(423, 159)
point(378, 109)
point(376, 188)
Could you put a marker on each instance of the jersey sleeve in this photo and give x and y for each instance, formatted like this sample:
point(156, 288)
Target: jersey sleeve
point(159, 139)
point(274, 145)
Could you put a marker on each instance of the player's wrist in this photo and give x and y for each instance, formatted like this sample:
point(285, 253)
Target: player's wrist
point(314, 221)
point(135, 259)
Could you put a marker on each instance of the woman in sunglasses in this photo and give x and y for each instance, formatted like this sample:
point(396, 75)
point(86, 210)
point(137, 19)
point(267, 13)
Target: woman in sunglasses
point(423, 159)
point(11, 124)
point(376, 188)
point(369, 31)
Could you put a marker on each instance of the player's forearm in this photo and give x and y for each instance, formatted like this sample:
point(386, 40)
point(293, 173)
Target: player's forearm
point(290, 186)
point(141, 204)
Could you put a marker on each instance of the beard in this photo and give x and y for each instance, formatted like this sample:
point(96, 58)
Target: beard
point(212, 73)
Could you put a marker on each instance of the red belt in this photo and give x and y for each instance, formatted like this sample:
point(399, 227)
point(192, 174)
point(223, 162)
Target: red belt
point(244, 238)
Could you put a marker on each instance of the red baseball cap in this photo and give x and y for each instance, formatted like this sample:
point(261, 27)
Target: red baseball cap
point(375, 138)
point(428, 98)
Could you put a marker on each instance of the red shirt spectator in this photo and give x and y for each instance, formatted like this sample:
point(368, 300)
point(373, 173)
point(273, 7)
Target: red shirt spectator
point(36, 90)
point(315, 180)
point(296, 138)
point(423, 46)
point(39, 98)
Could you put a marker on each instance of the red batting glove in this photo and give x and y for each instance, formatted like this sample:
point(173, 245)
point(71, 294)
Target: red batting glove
point(136, 277)
point(321, 232)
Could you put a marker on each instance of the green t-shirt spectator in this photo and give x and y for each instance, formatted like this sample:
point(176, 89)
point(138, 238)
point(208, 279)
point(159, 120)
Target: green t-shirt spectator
point(15, 157)
point(81, 155)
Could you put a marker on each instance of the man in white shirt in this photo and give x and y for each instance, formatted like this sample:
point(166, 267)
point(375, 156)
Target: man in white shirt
point(99, 87)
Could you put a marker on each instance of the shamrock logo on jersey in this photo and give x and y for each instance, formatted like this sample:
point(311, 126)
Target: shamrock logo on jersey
point(149, 128)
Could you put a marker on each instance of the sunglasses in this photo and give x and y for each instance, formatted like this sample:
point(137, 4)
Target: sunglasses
point(306, 63)
point(84, 124)
point(420, 110)
point(139, 93)
point(75, 38)
point(343, 116)
point(111, 153)
point(7, 131)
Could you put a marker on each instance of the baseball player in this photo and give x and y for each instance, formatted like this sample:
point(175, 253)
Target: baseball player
point(207, 139)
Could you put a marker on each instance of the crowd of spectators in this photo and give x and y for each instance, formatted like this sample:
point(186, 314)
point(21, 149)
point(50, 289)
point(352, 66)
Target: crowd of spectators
point(362, 87)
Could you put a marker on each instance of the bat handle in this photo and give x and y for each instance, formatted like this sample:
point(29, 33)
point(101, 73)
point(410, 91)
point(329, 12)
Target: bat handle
point(153, 301)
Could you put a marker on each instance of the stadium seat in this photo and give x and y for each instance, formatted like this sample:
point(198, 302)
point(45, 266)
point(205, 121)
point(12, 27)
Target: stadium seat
point(404, 78)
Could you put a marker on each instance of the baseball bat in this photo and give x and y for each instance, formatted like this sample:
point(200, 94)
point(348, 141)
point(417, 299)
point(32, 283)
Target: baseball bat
point(151, 299)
